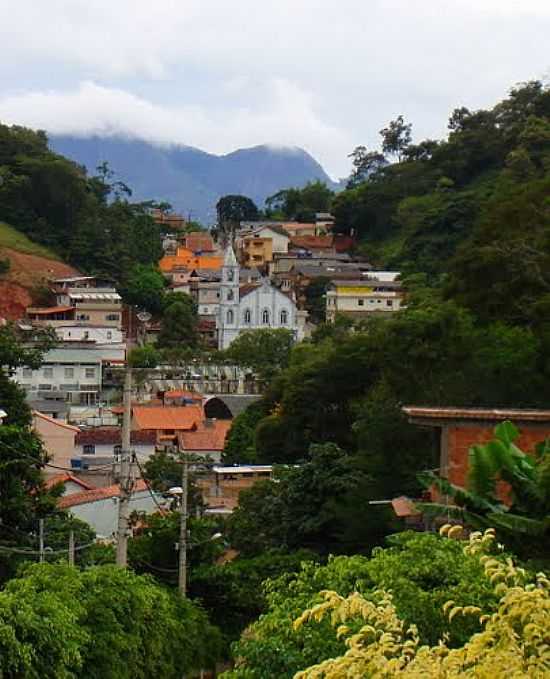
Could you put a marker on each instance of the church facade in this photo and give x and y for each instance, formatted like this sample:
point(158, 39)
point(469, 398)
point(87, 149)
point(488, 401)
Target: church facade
point(253, 306)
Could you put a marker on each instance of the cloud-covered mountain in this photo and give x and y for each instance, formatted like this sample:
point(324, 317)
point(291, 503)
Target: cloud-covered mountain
point(189, 179)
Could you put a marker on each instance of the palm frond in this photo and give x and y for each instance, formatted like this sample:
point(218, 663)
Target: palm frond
point(514, 523)
point(482, 471)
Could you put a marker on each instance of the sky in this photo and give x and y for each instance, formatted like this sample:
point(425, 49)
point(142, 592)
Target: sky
point(220, 74)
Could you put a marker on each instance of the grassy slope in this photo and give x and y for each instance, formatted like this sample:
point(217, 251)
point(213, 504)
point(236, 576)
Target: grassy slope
point(15, 240)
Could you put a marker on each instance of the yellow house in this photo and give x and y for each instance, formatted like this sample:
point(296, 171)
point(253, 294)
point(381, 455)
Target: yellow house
point(257, 251)
point(359, 299)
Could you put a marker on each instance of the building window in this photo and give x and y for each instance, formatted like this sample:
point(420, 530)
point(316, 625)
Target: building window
point(284, 317)
point(90, 373)
point(82, 317)
point(361, 302)
point(230, 275)
point(247, 317)
point(27, 372)
point(229, 295)
point(389, 302)
point(47, 372)
point(69, 372)
point(112, 317)
point(230, 316)
point(265, 317)
point(117, 450)
point(109, 334)
point(88, 449)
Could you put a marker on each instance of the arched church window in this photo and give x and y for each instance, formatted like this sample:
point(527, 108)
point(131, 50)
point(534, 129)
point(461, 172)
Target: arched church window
point(284, 317)
point(247, 316)
point(230, 275)
point(229, 295)
point(230, 316)
point(265, 316)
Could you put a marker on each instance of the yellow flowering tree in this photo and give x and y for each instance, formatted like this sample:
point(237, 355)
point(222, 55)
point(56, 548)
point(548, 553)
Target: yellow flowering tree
point(514, 641)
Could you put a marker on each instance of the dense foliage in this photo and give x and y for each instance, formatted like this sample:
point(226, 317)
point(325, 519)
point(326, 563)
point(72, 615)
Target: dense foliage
point(103, 622)
point(89, 221)
point(423, 572)
point(513, 640)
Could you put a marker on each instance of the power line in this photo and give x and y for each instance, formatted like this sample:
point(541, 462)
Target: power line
point(33, 552)
point(151, 492)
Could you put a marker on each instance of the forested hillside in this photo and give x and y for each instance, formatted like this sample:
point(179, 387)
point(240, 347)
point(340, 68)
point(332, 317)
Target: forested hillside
point(89, 222)
point(472, 211)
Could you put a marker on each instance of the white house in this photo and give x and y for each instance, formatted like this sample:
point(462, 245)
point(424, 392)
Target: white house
point(253, 306)
point(99, 506)
point(100, 445)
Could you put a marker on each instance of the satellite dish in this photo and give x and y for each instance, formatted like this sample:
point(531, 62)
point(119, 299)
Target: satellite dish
point(144, 316)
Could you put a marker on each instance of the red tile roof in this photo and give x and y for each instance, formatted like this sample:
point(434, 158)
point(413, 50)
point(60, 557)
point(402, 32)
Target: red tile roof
point(196, 241)
point(168, 417)
point(207, 436)
point(107, 435)
point(492, 414)
point(96, 494)
point(315, 242)
point(64, 478)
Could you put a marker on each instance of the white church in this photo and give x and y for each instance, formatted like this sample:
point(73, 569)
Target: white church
point(253, 306)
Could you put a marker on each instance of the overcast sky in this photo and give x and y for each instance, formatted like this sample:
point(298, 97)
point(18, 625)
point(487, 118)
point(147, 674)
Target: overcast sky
point(221, 74)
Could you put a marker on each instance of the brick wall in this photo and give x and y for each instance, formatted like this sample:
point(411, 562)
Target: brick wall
point(462, 436)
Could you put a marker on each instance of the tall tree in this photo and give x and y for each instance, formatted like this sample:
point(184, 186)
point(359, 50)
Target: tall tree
point(396, 137)
point(178, 326)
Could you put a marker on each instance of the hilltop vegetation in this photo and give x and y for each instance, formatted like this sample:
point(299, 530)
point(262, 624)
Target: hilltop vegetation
point(15, 240)
point(471, 208)
point(88, 221)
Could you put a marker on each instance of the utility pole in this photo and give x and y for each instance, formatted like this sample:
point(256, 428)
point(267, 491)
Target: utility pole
point(126, 476)
point(182, 572)
point(71, 548)
point(41, 539)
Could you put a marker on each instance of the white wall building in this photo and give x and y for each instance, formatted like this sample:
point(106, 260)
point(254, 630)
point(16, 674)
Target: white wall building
point(251, 306)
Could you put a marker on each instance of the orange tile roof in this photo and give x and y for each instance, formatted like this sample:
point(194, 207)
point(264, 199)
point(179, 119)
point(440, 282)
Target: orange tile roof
point(167, 417)
point(403, 506)
point(206, 437)
point(185, 258)
point(96, 494)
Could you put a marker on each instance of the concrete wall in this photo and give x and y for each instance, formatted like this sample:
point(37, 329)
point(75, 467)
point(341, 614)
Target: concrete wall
point(102, 515)
point(58, 441)
point(458, 439)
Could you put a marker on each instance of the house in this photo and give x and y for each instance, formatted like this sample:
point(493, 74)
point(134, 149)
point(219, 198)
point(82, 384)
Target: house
point(316, 245)
point(170, 220)
point(362, 298)
point(73, 373)
point(3, 415)
point(461, 428)
point(199, 242)
point(186, 259)
point(101, 445)
point(256, 251)
point(253, 306)
point(58, 439)
point(93, 304)
point(166, 421)
point(222, 486)
point(99, 506)
point(207, 440)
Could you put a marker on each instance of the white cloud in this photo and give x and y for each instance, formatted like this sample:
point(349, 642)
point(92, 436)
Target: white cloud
point(286, 117)
point(316, 73)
